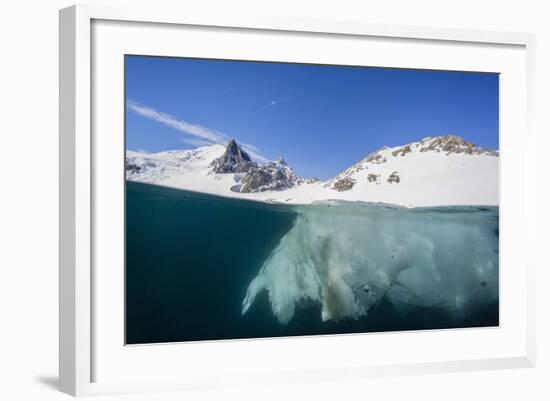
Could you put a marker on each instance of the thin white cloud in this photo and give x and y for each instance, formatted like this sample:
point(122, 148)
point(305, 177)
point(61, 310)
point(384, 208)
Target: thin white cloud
point(195, 130)
point(201, 136)
point(254, 153)
point(249, 146)
point(197, 142)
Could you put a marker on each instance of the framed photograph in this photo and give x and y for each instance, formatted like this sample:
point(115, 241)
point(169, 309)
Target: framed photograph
point(273, 200)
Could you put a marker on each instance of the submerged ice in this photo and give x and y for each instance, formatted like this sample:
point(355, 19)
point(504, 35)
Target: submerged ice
point(346, 256)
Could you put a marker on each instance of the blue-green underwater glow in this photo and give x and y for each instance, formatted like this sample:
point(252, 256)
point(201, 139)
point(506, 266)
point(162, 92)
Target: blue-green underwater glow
point(202, 267)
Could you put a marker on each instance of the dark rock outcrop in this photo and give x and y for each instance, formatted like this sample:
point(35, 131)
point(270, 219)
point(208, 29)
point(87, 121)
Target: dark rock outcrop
point(375, 158)
point(373, 177)
point(394, 178)
point(234, 160)
point(402, 151)
point(131, 167)
point(255, 179)
point(344, 184)
point(273, 176)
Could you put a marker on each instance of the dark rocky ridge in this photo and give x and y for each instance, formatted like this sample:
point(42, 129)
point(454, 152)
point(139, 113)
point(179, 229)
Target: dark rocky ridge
point(234, 160)
point(273, 176)
point(453, 144)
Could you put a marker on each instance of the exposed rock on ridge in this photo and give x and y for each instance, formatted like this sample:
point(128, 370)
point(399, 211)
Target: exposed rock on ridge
point(234, 160)
point(273, 176)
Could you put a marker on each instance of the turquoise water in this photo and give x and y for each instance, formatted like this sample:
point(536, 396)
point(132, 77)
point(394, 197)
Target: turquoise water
point(202, 267)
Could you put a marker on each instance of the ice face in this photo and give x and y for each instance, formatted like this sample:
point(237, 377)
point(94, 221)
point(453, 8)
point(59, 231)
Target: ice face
point(346, 257)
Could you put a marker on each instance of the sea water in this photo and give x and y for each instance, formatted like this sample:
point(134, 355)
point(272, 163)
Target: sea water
point(203, 267)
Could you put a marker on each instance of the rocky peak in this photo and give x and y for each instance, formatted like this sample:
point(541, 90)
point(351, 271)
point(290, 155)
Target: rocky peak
point(447, 144)
point(453, 144)
point(233, 148)
point(233, 160)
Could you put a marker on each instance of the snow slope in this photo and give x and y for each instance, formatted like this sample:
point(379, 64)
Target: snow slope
point(438, 171)
point(183, 169)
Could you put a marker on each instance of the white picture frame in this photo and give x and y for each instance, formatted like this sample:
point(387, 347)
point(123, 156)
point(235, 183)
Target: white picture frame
point(80, 155)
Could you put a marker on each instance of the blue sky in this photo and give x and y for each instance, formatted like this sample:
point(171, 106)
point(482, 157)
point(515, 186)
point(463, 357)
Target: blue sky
point(321, 119)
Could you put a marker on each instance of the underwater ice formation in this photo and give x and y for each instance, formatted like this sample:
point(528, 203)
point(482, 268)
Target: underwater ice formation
point(346, 256)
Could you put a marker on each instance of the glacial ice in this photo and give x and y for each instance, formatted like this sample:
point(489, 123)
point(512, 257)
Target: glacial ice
point(347, 256)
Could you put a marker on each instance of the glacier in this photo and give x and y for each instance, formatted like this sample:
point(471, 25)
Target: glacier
point(345, 257)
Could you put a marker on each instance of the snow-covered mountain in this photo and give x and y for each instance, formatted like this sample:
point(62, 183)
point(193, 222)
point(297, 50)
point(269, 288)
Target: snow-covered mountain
point(275, 175)
point(217, 169)
point(444, 170)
